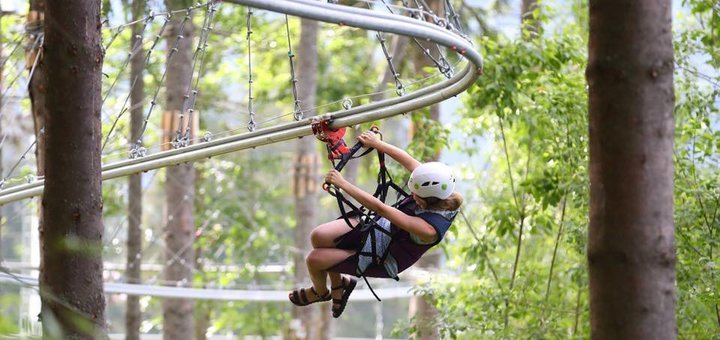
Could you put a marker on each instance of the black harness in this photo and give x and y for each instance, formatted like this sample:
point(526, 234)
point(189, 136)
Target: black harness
point(367, 219)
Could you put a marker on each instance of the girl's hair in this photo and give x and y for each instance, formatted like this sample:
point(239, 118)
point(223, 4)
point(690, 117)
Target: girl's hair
point(451, 203)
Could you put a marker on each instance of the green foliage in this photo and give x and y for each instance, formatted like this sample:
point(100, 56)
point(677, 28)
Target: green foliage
point(531, 102)
point(697, 160)
point(9, 299)
point(707, 31)
point(430, 137)
point(245, 225)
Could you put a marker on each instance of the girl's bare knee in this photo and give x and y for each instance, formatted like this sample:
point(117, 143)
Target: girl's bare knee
point(317, 237)
point(313, 259)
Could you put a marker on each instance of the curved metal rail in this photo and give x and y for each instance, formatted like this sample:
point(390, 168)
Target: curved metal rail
point(341, 15)
point(209, 293)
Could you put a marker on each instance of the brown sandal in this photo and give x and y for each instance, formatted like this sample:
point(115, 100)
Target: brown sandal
point(299, 297)
point(347, 287)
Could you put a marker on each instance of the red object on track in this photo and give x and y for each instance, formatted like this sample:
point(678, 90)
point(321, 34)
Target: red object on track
point(332, 137)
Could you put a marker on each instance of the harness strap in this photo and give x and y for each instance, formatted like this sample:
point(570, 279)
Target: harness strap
point(370, 287)
point(347, 156)
point(342, 201)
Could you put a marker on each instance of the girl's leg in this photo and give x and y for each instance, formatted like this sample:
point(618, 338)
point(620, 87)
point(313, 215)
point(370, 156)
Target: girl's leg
point(336, 281)
point(323, 238)
point(318, 260)
point(324, 256)
point(324, 235)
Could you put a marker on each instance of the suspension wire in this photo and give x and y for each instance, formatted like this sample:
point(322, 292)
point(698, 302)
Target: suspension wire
point(420, 12)
point(699, 75)
point(252, 113)
point(17, 43)
point(175, 256)
point(399, 87)
point(16, 214)
point(315, 110)
point(183, 138)
point(137, 149)
point(13, 64)
point(178, 140)
point(411, 83)
point(153, 240)
point(423, 6)
point(37, 59)
point(125, 218)
point(130, 54)
point(251, 125)
point(46, 294)
point(297, 112)
point(16, 78)
point(37, 42)
point(146, 60)
point(411, 11)
point(119, 30)
point(168, 13)
point(213, 9)
point(442, 64)
point(17, 163)
point(453, 16)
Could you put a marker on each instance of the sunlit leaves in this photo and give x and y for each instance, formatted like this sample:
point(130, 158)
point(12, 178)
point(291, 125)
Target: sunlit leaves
point(531, 102)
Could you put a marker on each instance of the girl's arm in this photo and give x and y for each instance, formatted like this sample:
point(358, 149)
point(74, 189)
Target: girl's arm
point(370, 140)
point(412, 224)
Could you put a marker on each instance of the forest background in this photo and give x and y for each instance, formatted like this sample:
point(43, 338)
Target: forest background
point(515, 262)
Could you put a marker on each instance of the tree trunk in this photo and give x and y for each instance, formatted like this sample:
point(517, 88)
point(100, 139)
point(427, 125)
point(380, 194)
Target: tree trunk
point(71, 281)
point(179, 189)
point(36, 85)
point(133, 314)
point(528, 22)
point(305, 180)
point(630, 250)
point(203, 309)
point(35, 66)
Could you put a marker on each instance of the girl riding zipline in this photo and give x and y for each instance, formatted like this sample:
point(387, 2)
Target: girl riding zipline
point(404, 233)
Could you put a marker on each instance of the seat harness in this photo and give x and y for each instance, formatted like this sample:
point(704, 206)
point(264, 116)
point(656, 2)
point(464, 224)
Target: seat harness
point(339, 154)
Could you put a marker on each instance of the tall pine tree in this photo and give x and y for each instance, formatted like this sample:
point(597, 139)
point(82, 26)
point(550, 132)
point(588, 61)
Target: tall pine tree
point(133, 315)
point(305, 177)
point(71, 280)
point(631, 251)
point(179, 181)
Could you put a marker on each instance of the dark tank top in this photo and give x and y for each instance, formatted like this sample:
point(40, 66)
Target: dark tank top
point(403, 249)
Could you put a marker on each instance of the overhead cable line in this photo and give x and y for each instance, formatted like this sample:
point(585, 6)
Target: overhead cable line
point(297, 111)
point(251, 124)
point(183, 138)
point(124, 108)
point(137, 146)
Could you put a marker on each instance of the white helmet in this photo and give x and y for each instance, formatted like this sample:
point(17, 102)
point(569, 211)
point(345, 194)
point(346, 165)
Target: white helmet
point(433, 179)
